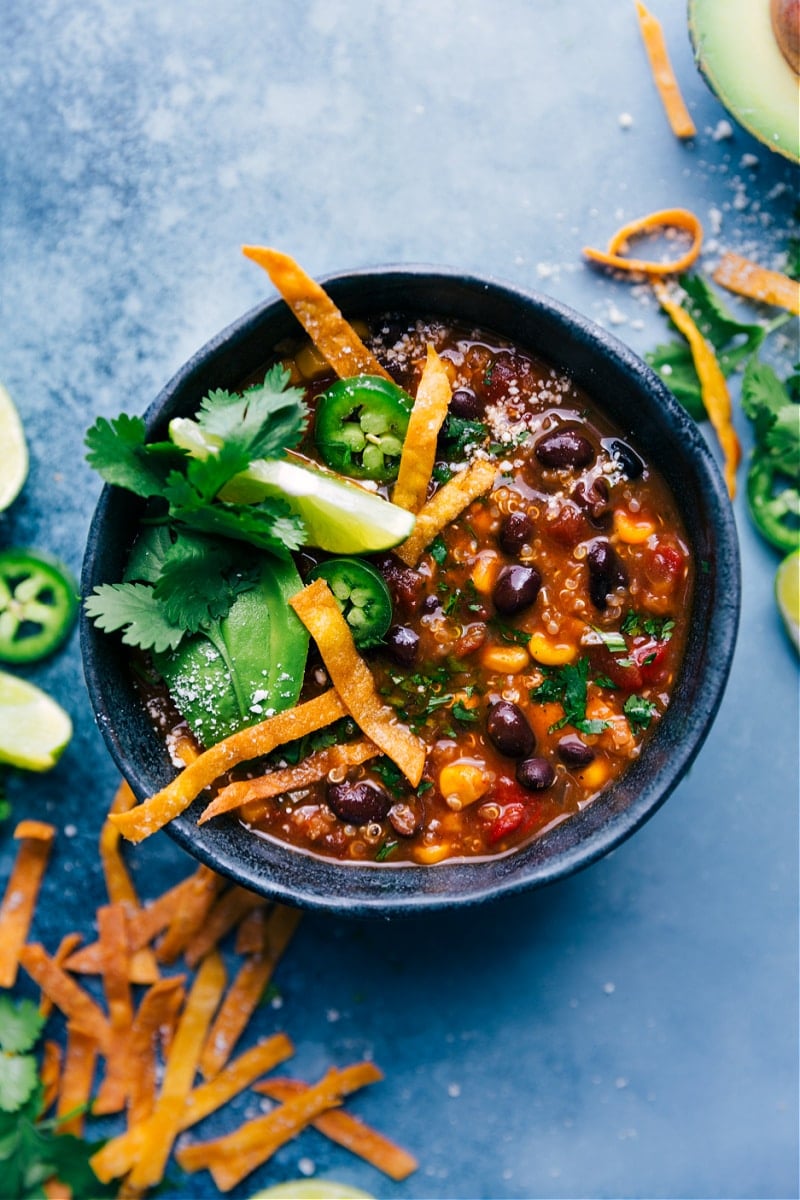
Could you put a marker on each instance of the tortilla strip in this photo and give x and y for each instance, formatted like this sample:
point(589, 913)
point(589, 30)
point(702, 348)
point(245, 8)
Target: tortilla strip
point(316, 607)
point(143, 927)
point(22, 891)
point(230, 1159)
point(333, 336)
point(655, 44)
point(229, 910)
point(713, 386)
point(50, 1074)
point(188, 919)
point(66, 947)
point(179, 1072)
point(252, 742)
point(450, 500)
point(250, 933)
point(288, 779)
point(77, 1077)
point(747, 278)
point(668, 218)
point(76, 1004)
point(419, 448)
point(235, 1077)
point(159, 1005)
point(111, 925)
point(348, 1131)
point(244, 994)
point(119, 884)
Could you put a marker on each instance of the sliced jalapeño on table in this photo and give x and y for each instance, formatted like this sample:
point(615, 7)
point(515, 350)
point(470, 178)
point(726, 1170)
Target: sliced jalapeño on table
point(38, 605)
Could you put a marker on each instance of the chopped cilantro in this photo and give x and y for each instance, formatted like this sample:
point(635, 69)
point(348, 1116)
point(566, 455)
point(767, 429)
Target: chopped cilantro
point(384, 850)
point(458, 436)
point(567, 686)
point(391, 775)
point(508, 633)
point(639, 712)
point(636, 625)
point(614, 642)
point(438, 550)
point(467, 716)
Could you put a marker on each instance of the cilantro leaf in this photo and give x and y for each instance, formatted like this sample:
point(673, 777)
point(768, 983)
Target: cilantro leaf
point(639, 712)
point(18, 1079)
point(457, 435)
point(763, 396)
point(133, 608)
point(269, 525)
point(567, 686)
point(117, 450)
point(194, 586)
point(148, 555)
point(20, 1025)
point(263, 422)
point(783, 441)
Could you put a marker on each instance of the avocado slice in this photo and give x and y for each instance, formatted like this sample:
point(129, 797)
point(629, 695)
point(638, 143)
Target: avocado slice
point(738, 53)
point(251, 667)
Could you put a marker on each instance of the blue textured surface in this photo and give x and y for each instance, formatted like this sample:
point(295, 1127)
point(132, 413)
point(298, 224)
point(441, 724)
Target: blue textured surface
point(630, 1032)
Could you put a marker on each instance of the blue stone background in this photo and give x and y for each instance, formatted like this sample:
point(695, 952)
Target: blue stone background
point(632, 1031)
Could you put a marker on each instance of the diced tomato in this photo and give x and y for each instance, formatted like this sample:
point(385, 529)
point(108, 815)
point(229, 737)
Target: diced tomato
point(665, 565)
point(649, 657)
point(520, 810)
point(624, 672)
point(569, 525)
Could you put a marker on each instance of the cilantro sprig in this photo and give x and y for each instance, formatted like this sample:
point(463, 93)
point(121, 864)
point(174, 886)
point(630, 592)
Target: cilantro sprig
point(32, 1151)
point(567, 686)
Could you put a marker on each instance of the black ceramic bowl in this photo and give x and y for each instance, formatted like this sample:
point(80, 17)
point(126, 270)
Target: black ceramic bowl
point(641, 406)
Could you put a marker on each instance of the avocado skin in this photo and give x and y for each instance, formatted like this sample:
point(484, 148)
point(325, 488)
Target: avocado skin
point(737, 54)
point(268, 645)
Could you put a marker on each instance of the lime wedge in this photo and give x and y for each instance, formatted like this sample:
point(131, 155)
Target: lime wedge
point(340, 516)
point(33, 728)
point(13, 451)
point(312, 1189)
point(787, 593)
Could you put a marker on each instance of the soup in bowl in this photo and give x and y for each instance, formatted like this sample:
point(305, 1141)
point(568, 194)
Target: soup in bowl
point(440, 595)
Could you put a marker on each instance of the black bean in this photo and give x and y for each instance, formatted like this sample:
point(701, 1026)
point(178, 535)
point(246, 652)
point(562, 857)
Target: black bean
point(515, 532)
point(593, 499)
point(535, 774)
point(430, 604)
point(405, 819)
point(575, 753)
point(403, 644)
point(515, 588)
point(358, 803)
point(626, 459)
point(509, 731)
point(466, 405)
point(606, 572)
point(564, 447)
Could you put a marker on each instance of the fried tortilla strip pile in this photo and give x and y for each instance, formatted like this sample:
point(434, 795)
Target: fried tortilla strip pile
point(22, 891)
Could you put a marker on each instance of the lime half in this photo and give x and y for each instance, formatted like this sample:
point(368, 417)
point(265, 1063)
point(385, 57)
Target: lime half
point(34, 729)
point(787, 593)
point(340, 517)
point(312, 1189)
point(13, 451)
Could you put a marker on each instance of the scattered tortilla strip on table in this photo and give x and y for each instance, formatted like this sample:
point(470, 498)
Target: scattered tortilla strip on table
point(68, 996)
point(50, 1074)
point(664, 78)
point(231, 908)
point(747, 278)
point(288, 779)
point(22, 891)
point(316, 607)
point(667, 219)
point(179, 1072)
point(713, 386)
point(251, 742)
point(348, 1131)
point(66, 948)
point(450, 500)
point(419, 448)
point(333, 336)
point(77, 1078)
point(112, 928)
point(159, 1005)
point(188, 919)
point(244, 994)
point(232, 1158)
point(119, 885)
point(206, 1098)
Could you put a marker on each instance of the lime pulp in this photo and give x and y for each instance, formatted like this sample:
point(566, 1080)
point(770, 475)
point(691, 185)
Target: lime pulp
point(312, 1189)
point(13, 451)
point(787, 594)
point(34, 729)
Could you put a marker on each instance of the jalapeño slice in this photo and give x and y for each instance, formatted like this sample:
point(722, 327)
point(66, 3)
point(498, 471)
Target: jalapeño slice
point(360, 427)
point(38, 605)
point(362, 596)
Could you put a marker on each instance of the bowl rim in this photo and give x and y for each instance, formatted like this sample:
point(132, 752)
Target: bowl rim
point(518, 870)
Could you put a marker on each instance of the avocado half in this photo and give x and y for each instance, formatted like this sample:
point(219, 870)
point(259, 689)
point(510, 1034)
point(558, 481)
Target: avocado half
point(737, 52)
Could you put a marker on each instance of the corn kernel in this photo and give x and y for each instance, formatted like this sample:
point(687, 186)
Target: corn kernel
point(595, 775)
point(463, 782)
point(508, 660)
point(549, 653)
point(431, 854)
point(310, 363)
point(632, 529)
point(484, 573)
